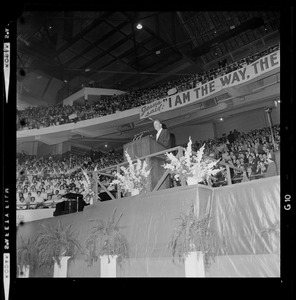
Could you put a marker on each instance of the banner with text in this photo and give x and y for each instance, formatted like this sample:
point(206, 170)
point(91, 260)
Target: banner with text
point(247, 73)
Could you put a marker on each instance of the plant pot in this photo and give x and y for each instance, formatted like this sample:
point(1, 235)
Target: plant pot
point(108, 266)
point(61, 271)
point(192, 180)
point(194, 264)
point(135, 192)
point(24, 272)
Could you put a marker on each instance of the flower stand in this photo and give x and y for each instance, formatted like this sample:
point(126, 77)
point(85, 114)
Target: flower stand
point(135, 192)
point(108, 266)
point(192, 180)
point(24, 273)
point(194, 264)
point(61, 271)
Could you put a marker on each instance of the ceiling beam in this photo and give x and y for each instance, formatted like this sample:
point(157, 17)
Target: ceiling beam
point(82, 33)
point(101, 39)
point(120, 57)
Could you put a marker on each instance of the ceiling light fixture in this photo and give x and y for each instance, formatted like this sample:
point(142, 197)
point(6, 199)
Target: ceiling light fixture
point(139, 26)
point(221, 119)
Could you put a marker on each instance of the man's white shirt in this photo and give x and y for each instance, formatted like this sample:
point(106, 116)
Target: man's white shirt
point(158, 133)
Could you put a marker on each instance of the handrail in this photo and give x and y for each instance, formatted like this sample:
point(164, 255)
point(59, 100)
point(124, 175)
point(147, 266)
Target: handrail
point(158, 154)
point(180, 150)
point(143, 157)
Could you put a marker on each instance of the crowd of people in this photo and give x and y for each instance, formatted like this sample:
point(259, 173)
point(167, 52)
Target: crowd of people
point(41, 182)
point(45, 116)
point(249, 153)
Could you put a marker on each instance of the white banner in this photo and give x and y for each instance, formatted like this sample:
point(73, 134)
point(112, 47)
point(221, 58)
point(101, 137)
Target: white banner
point(259, 67)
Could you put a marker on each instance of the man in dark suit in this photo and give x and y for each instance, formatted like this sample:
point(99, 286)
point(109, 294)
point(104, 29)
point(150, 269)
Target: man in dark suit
point(163, 135)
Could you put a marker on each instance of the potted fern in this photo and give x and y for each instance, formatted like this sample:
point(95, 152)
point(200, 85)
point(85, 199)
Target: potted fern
point(107, 243)
point(27, 258)
point(56, 245)
point(194, 243)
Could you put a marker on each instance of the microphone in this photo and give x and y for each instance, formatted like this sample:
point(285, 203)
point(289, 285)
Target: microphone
point(138, 136)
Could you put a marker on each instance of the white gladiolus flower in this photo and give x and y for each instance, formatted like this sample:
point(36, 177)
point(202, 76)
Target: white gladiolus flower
point(191, 165)
point(134, 176)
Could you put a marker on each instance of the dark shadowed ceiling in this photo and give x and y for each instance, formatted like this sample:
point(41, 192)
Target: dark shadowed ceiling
point(66, 50)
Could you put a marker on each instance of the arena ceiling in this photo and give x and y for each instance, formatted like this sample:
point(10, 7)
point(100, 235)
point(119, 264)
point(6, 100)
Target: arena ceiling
point(105, 49)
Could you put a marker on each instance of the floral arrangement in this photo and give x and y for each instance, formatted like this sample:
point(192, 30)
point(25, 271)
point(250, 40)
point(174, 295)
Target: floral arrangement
point(191, 165)
point(134, 176)
point(87, 184)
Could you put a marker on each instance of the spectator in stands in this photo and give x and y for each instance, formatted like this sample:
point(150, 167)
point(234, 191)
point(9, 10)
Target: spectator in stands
point(49, 202)
point(21, 201)
point(235, 134)
point(55, 195)
point(25, 192)
point(230, 137)
point(43, 193)
point(39, 199)
point(32, 202)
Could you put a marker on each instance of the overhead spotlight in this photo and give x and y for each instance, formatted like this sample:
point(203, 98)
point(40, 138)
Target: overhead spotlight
point(221, 119)
point(87, 70)
point(65, 80)
point(106, 145)
point(157, 52)
point(139, 26)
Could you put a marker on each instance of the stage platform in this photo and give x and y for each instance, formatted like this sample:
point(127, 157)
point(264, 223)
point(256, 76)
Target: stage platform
point(239, 212)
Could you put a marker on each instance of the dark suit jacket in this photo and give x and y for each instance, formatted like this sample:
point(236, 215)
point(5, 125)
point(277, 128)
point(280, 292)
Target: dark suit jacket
point(164, 139)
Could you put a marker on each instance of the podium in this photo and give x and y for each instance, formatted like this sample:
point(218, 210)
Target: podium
point(146, 146)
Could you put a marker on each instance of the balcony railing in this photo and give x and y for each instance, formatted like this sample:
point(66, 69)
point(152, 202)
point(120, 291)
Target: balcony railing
point(179, 151)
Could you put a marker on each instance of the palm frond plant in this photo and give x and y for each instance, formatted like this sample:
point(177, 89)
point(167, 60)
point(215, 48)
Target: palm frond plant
point(106, 239)
point(193, 233)
point(27, 256)
point(53, 242)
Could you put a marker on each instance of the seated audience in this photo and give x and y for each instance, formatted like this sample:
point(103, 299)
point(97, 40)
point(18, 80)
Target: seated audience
point(46, 116)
